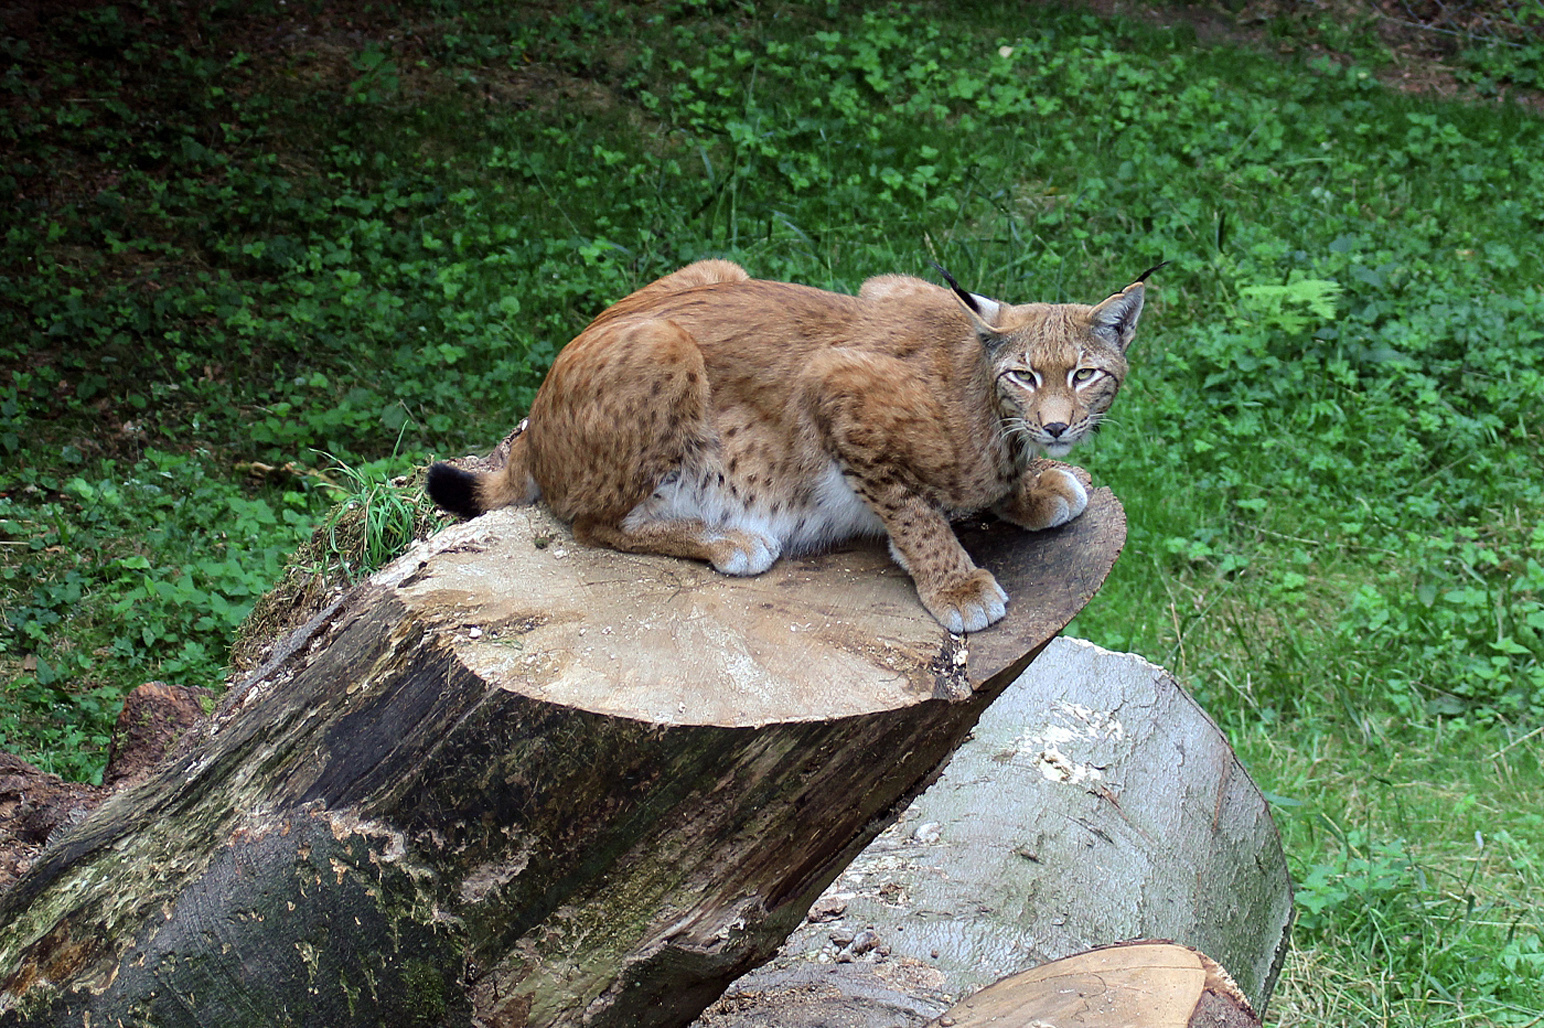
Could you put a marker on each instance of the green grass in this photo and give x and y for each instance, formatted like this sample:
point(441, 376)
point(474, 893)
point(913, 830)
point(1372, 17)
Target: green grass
point(360, 246)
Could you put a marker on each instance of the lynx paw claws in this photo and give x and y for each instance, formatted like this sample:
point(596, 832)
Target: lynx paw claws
point(971, 606)
point(1056, 497)
point(1069, 498)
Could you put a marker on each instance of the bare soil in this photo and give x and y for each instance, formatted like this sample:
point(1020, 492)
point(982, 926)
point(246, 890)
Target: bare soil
point(36, 806)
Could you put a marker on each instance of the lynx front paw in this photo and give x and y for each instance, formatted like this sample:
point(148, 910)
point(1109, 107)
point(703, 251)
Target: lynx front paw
point(744, 553)
point(968, 605)
point(1055, 499)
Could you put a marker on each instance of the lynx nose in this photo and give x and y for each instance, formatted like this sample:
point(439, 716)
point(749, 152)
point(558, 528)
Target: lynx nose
point(1055, 429)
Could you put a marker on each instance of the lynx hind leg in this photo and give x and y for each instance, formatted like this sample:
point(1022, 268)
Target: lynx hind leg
point(730, 550)
point(1049, 499)
point(625, 430)
point(621, 410)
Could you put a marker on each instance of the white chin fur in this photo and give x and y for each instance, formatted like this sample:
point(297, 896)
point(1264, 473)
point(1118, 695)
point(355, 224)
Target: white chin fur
point(1056, 450)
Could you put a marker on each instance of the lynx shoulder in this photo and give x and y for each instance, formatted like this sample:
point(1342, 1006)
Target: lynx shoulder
point(722, 418)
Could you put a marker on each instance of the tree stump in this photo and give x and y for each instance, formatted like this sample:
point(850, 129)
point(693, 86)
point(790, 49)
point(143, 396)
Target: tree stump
point(1094, 803)
point(513, 781)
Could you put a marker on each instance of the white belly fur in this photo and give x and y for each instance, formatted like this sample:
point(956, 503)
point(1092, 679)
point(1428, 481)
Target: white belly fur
point(836, 512)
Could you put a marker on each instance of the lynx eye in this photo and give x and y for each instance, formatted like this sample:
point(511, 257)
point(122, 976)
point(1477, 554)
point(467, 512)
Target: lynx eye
point(1022, 377)
point(1084, 375)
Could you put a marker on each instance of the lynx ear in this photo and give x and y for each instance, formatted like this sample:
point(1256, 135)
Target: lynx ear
point(1115, 320)
point(979, 308)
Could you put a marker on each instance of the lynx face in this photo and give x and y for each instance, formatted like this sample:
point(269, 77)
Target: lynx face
point(1056, 399)
point(1058, 367)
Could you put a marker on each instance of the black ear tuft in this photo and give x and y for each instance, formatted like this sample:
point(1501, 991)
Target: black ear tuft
point(453, 490)
point(1156, 267)
point(966, 298)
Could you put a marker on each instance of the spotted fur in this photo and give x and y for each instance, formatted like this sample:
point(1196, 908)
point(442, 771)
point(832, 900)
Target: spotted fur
point(721, 418)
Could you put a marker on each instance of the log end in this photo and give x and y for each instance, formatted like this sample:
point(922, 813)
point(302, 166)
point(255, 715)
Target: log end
point(816, 637)
point(1151, 982)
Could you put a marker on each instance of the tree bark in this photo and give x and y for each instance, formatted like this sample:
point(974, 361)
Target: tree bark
point(1094, 803)
point(513, 781)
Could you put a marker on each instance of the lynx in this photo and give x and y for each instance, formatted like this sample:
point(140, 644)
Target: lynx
point(722, 418)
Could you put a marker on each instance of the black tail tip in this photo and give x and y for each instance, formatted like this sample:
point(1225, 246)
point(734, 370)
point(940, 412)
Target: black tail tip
point(453, 490)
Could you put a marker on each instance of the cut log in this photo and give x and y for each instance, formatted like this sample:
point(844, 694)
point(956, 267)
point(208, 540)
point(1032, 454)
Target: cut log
point(514, 781)
point(1128, 985)
point(1094, 803)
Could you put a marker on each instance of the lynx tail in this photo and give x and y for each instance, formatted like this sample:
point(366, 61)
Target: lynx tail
point(454, 490)
point(467, 494)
